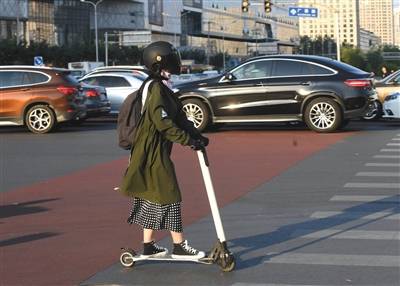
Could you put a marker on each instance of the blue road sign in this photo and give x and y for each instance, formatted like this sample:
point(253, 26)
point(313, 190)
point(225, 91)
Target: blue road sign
point(303, 12)
point(38, 61)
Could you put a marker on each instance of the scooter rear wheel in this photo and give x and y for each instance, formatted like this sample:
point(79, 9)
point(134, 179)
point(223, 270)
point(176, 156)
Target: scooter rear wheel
point(126, 258)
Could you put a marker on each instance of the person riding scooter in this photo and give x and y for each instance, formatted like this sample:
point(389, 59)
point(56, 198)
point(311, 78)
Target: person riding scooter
point(150, 178)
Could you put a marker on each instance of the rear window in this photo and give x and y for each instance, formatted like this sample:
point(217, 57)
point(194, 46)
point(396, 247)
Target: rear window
point(346, 67)
point(107, 81)
point(68, 77)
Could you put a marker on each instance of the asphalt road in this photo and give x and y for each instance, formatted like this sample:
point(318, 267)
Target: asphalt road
point(299, 208)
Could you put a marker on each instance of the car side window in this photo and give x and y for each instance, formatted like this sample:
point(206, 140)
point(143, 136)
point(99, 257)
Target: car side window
point(96, 80)
point(11, 78)
point(114, 81)
point(286, 68)
point(257, 69)
point(296, 68)
point(314, 69)
point(34, 78)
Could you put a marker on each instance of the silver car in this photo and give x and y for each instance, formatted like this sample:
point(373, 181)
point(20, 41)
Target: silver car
point(118, 86)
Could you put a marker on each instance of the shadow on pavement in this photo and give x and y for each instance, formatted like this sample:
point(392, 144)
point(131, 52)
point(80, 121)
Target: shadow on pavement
point(26, 238)
point(289, 232)
point(23, 208)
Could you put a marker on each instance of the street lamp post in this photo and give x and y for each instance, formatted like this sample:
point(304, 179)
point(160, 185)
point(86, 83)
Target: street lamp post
point(95, 24)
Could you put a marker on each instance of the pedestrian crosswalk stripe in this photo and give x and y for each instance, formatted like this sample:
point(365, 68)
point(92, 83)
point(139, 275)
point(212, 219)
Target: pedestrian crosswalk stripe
point(356, 215)
point(347, 234)
point(393, 144)
point(382, 164)
point(388, 156)
point(373, 185)
point(390, 150)
point(378, 174)
point(369, 199)
point(335, 259)
point(396, 139)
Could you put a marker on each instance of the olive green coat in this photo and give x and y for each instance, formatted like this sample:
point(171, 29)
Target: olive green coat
point(151, 173)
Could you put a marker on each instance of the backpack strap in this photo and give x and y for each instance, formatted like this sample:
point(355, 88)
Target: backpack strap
point(144, 94)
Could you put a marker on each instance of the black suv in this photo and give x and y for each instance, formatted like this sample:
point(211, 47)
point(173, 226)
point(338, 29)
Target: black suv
point(322, 92)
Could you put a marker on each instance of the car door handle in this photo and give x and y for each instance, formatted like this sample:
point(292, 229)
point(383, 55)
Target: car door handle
point(306, 83)
point(25, 89)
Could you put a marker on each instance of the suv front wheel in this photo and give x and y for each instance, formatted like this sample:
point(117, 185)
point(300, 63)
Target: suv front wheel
point(40, 119)
point(197, 112)
point(323, 115)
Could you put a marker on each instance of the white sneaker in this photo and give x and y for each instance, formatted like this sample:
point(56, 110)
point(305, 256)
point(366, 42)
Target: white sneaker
point(184, 251)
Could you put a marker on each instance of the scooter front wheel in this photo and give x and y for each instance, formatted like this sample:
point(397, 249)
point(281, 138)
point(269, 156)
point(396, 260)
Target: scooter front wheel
point(227, 262)
point(127, 258)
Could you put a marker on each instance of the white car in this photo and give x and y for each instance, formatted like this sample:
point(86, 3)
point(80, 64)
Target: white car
point(118, 86)
point(391, 106)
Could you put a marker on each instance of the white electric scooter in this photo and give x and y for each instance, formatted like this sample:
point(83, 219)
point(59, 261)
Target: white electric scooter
point(219, 254)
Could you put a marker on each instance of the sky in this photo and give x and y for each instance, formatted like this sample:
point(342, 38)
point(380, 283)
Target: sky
point(396, 3)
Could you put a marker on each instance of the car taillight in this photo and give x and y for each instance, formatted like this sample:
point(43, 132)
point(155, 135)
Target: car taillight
point(67, 90)
point(92, 93)
point(358, 82)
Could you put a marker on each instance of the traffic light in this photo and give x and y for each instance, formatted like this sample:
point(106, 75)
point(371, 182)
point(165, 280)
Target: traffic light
point(245, 5)
point(267, 6)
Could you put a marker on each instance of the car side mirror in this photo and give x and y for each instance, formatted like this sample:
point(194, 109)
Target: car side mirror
point(229, 77)
point(396, 81)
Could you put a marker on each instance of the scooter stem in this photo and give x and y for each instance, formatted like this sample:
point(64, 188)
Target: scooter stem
point(203, 159)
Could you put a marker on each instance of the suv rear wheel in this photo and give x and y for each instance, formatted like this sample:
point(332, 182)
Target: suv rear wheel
point(40, 119)
point(323, 115)
point(197, 112)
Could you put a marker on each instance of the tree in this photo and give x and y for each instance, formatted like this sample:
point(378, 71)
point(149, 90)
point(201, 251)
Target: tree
point(374, 61)
point(353, 56)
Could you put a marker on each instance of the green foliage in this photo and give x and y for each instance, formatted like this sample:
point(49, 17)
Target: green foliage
point(199, 56)
point(11, 53)
point(354, 57)
point(374, 61)
point(218, 61)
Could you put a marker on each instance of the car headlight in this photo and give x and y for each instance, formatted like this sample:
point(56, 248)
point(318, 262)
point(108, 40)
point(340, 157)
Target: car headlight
point(392, 96)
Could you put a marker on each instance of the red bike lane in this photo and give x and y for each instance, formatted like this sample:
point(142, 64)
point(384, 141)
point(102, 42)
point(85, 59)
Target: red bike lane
point(62, 231)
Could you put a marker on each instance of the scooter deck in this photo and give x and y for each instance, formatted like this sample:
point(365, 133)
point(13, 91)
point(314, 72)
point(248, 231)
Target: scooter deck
point(204, 260)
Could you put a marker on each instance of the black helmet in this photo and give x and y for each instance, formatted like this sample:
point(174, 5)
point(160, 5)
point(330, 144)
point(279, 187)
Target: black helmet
point(162, 55)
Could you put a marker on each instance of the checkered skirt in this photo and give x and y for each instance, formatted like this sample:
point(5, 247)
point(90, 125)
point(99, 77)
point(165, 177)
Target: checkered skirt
point(155, 216)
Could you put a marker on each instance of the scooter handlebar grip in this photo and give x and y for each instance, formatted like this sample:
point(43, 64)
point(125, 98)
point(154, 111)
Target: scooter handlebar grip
point(203, 150)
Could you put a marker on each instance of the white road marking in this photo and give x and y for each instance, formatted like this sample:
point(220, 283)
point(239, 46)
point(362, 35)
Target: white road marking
point(393, 144)
point(347, 234)
point(336, 259)
point(268, 284)
point(388, 156)
point(382, 164)
point(373, 185)
point(396, 139)
point(378, 174)
point(366, 199)
point(390, 150)
point(356, 215)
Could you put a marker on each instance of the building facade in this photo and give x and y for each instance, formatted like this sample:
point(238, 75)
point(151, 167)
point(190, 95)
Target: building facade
point(334, 16)
point(377, 16)
point(396, 22)
point(369, 40)
point(214, 26)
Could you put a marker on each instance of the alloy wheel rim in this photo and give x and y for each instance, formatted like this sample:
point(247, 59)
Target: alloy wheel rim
point(39, 119)
point(322, 115)
point(194, 113)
